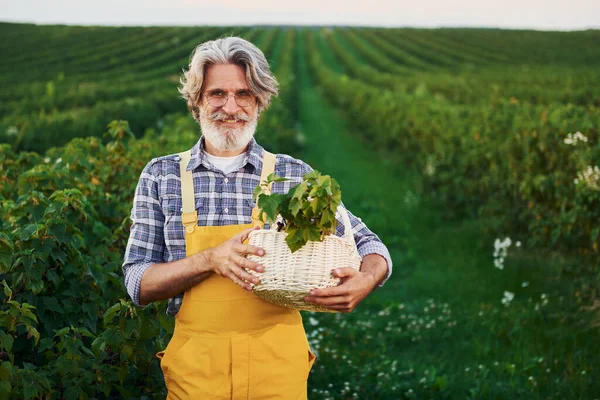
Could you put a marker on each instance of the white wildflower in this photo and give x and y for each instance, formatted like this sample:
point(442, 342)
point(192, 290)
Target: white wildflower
point(12, 130)
point(573, 138)
point(501, 251)
point(508, 297)
point(590, 177)
point(430, 169)
point(525, 284)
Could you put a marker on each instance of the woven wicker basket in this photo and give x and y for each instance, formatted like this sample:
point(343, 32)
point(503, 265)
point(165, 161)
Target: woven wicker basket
point(289, 277)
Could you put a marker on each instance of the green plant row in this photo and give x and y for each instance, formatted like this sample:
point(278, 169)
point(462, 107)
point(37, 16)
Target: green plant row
point(64, 329)
point(394, 53)
point(355, 67)
point(540, 85)
point(434, 58)
point(61, 95)
point(25, 67)
point(440, 37)
point(373, 57)
point(431, 45)
point(277, 126)
point(125, 53)
point(55, 43)
point(574, 48)
point(506, 161)
point(37, 132)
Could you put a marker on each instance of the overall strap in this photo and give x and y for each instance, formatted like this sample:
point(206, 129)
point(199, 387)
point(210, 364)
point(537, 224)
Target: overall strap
point(268, 167)
point(189, 216)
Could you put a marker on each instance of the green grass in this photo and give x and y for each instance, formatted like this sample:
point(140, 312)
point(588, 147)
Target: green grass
point(444, 272)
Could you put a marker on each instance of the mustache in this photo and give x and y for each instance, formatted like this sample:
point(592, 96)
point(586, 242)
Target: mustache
point(222, 115)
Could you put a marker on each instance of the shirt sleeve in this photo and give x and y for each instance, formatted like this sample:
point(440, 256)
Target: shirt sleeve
point(366, 241)
point(146, 239)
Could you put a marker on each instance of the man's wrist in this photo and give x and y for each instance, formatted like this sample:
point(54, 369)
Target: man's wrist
point(374, 266)
point(201, 262)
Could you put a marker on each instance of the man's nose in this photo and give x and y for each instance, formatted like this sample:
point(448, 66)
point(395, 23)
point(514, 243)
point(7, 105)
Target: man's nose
point(231, 107)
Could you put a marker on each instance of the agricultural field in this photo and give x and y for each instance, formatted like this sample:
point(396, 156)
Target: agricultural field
point(473, 153)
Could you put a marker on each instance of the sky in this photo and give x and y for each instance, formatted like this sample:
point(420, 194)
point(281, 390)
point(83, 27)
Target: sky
point(512, 14)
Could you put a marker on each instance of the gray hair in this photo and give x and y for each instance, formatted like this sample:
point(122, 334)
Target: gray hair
point(228, 50)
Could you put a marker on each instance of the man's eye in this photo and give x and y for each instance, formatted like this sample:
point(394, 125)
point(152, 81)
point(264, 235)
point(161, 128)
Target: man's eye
point(217, 94)
point(243, 94)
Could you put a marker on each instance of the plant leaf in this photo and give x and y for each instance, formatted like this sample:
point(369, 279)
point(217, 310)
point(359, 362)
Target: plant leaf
point(295, 206)
point(311, 233)
point(6, 252)
point(275, 178)
point(269, 205)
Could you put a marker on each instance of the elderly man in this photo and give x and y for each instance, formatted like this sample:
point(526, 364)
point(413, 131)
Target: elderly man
point(191, 214)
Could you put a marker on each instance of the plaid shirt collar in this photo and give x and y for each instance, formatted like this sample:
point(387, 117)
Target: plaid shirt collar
point(252, 161)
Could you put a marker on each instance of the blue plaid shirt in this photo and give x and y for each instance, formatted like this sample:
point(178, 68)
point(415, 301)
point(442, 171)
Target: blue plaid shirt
point(157, 235)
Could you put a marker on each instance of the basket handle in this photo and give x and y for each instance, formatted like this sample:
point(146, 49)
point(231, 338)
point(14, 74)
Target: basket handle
point(347, 226)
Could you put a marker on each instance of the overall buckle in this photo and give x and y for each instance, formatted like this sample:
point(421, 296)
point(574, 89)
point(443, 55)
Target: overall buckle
point(190, 221)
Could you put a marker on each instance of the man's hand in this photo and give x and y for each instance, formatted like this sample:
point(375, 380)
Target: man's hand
point(355, 285)
point(347, 295)
point(228, 260)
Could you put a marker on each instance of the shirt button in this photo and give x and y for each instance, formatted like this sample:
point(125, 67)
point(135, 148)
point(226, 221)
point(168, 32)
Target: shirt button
point(225, 180)
point(226, 210)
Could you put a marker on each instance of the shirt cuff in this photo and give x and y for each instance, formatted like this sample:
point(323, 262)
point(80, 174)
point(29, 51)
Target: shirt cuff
point(133, 281)
point(379, 248)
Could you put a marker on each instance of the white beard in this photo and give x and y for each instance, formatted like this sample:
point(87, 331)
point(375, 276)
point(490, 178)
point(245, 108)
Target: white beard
point(227, 138)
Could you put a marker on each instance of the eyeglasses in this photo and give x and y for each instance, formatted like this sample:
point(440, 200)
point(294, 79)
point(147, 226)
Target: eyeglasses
point(218, 98)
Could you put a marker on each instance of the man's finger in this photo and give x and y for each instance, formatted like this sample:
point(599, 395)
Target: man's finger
point(345, 309)
point(344, 272)
point(243, 275)
point(334, 301)
point(340, 290)
point(242, 236)
point(239, 281)
point(243, 262)
point(246, 249)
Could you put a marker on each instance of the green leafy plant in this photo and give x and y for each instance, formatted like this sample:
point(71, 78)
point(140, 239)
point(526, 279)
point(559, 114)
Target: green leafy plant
point(307, 209)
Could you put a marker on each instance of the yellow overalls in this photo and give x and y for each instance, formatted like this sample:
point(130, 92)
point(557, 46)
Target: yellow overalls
point(228, 343)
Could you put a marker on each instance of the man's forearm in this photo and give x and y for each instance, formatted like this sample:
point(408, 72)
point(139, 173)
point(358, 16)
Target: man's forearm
point(165, 280)
point(376, 266)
